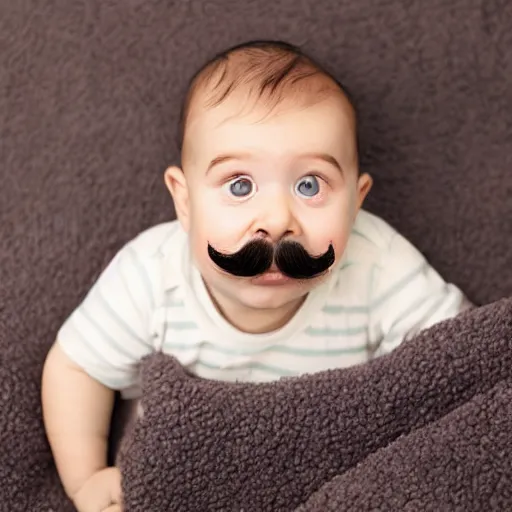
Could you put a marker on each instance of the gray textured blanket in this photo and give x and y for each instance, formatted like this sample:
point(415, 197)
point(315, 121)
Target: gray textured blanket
point(428, 427)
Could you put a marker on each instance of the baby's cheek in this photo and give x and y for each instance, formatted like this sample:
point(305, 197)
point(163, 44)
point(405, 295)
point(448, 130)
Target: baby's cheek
point(339, 239)
point(329, 227)
point(224, 224)
point(220, 231)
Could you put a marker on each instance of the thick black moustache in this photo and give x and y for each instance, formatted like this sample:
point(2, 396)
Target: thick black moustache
point(256, 257)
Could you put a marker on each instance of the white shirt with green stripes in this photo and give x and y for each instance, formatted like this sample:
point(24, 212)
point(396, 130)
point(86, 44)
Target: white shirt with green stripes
point(151, 297)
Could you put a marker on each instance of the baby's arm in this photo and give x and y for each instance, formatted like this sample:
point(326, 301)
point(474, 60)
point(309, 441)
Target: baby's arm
point(96, 352)
point(77, 410)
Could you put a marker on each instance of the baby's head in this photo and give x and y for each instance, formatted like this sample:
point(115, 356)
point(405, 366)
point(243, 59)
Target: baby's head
point(269, 157)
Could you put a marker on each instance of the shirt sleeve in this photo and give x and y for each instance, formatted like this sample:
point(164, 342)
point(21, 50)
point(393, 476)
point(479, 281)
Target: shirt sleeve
point(109, 332)
point(408, 296)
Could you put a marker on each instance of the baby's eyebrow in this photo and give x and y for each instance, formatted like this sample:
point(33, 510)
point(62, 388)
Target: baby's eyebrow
point(325, 157)
point(241, 156)
point(226, 158)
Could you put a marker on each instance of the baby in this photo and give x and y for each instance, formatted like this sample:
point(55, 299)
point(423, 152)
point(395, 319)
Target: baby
point(272, 268)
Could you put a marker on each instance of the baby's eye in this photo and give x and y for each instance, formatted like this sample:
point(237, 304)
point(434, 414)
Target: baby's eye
point(308, 186)
point(241, 187)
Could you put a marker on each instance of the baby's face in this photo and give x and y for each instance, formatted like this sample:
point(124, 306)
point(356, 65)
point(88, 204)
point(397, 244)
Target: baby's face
point(290, 174)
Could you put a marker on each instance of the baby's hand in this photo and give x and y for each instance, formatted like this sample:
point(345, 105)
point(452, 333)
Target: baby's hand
point(101, 493)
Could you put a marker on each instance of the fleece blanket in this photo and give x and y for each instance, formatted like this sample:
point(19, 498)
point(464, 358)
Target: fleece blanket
point(428, 427)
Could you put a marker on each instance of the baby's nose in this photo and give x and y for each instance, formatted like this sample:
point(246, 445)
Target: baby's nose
point(278, 219)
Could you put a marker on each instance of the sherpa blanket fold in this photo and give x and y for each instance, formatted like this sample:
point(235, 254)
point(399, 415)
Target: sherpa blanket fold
point(427, 427)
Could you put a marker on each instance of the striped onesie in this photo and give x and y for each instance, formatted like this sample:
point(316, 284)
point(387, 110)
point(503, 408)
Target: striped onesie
point(151, 297)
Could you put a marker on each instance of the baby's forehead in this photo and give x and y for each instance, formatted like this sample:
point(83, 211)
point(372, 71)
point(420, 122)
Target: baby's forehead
point(290, 129)
point(245, 104)
point(247, 107)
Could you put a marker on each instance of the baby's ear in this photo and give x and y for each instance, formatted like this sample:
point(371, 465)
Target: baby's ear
point(364, 184)
point(177, 186)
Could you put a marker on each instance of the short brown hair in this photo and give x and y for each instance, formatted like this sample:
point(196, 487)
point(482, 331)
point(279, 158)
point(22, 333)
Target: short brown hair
point(269, 67)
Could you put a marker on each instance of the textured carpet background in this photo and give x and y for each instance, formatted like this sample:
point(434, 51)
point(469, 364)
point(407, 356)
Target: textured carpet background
point(89, 96)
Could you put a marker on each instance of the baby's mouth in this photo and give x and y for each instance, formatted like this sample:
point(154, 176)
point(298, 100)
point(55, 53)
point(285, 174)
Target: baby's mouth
point(272, 277)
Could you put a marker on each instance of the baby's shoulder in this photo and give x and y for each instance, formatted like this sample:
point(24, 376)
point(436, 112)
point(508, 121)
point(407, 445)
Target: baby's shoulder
point(156, 241)
point(369, 240)
point(154, 255)
point(364, 257)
